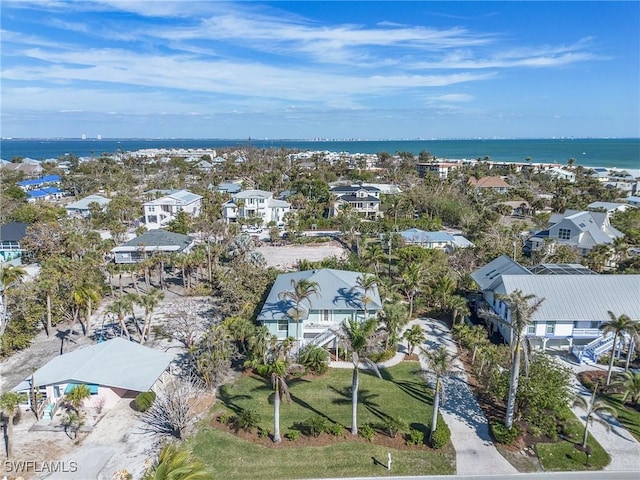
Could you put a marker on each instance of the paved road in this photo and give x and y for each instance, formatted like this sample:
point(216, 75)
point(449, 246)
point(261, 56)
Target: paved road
point(597, 475)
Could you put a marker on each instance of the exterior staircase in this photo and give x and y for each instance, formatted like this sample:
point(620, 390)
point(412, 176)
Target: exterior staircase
point(592, 351)
point(324, 337)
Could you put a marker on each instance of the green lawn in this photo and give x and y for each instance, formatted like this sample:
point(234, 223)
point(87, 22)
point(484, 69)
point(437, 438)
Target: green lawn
point(401, 394)
point(627, 415)
point(564, 456)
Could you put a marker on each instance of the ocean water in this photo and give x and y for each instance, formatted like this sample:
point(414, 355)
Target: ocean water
point(619, 153)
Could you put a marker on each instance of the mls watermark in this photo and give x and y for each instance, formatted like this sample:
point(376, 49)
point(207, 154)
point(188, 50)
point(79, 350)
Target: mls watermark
point(34, 466)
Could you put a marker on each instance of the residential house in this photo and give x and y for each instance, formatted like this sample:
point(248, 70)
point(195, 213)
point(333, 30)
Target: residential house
point(255, 205)
point(633, 200)
point(581, 230)
point(80, 208)
point(112, 370)
point(576, 302)
point(609, 207)
point(11, 234)
point(496, 184)
point(39, 183)
point(159, 212)
point(438, 240)
point(30, 169)
point(338, 299)
point(150, 243)
point(227, 187)
point(363, 199)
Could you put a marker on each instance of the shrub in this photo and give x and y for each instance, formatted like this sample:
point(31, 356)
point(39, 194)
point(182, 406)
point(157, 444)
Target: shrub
point(292, 435)
point(336, 429)
point(263, 370)
point(144, 400)
point(247, 420)
point(503, 435)
point(441, 435)
point(393, 426)
point(315, 359)
point(415, 437)
point(225, 418)
point(367, 432)
point(315, 425)
point(383, 356)
point(263, 432)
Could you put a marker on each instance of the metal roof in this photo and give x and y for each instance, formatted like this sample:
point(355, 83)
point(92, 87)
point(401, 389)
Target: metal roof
point(156, 238)
point(488, 277)
point(13, 231)
point(336, 291)
point(561, 269)
point(115, 363)
point(578, 297)
point(83, 203)
point(415, 235)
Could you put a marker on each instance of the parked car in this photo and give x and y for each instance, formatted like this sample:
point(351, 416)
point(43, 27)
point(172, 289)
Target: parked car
point(254, 229)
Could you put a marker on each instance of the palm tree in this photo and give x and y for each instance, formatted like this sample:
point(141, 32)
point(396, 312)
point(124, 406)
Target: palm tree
point(458, 306)
point(9, 402)
point(9, 276)
point(86, 295)
point(77, 396)
point(360, 339)
point(300, 292)
point(440, 363)
point(521, 310)
point(618, 326)
point(630, 384)
point(278, 372)
point(414, 337)
point(177, 463)
point(394, 317)
point(120, 307)
point(634, 339)
point(593, 407)
point(373, 255)
point(412, 281)
point(149, 302)
point(367, 284)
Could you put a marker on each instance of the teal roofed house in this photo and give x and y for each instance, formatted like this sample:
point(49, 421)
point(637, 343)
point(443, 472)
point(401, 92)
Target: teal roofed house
point(338, 299)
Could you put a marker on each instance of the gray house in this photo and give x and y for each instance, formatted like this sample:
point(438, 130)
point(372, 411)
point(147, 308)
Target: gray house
point(338, 299)
point(150, 243)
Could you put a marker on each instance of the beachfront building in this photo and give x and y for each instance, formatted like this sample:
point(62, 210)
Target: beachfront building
point(576, 302)
point(255, 206)
point(440, 169)
point(159, 212)
point(338, 299)
point(81, 208)
point(577, 229)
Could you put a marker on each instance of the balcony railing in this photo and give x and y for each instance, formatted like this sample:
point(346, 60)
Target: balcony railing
point(586, 332)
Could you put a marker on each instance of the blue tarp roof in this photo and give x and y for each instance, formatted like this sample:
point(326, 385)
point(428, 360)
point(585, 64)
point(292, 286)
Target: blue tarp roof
point(38, 181)
point(43, 192)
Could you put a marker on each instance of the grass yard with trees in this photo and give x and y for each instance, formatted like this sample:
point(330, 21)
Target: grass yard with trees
point(393, 404)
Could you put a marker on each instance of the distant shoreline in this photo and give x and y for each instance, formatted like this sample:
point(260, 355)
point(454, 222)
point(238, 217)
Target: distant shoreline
point(622, 153)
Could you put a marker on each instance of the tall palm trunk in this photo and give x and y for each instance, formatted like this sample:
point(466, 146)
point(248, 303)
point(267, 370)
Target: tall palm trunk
point(49, 314)
point(612, 359)
point(513, 385)
point(354, 397)
point(436, 409)
point(276, 415)
point(630, 351)
point(123, 325)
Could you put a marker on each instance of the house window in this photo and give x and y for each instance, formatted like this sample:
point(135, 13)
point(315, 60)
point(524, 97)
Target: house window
point(531, 329)
point(564, 233)
point(595, 324)
point(326, 316)
point(152, 208)
point(551, 328)
point(283, 325)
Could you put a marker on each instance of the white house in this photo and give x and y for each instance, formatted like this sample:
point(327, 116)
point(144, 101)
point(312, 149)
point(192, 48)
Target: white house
point(158, 213)
point(338, 299)
point(151, 243)
point(576, 301)
point(256, 205)
point(363, 199)
point(438, 240)
point(562, 174)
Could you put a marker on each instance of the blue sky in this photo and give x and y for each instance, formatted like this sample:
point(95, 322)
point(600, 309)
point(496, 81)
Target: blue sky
point(366, 70)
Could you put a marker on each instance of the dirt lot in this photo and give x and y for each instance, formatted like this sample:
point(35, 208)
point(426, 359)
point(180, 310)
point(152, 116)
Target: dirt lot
point(287, 256)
